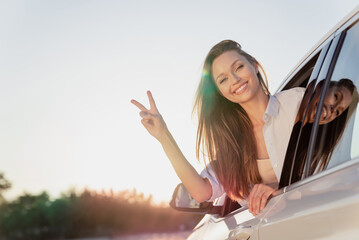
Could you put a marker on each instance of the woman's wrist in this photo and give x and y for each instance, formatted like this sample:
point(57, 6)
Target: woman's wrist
point(165, 137)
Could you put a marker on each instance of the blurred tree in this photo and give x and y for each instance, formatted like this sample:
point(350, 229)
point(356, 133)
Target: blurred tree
point(4, 185)
point(26, 218)
point(87, 214)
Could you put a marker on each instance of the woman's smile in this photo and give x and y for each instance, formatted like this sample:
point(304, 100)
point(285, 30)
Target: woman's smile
point(325, 113)
point(336, 102)
point(241, 88)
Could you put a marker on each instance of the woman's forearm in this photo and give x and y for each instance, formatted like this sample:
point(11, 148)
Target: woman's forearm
point(199, 188)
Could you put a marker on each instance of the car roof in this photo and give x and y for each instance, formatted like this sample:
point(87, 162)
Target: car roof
point(319, 43)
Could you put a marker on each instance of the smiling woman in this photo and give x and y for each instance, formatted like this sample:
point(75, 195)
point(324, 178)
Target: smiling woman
point(236, 77)
point(332, 122)
point(337, 101)
point(237, 116)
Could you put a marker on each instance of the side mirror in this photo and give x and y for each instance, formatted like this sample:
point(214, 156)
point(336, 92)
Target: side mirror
point(183, 201)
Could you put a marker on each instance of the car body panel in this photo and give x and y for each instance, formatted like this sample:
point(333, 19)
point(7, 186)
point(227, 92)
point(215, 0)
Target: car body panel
point(327, 207)
point(213, 227)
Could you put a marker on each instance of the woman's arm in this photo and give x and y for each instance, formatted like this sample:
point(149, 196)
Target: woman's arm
point(199, 188)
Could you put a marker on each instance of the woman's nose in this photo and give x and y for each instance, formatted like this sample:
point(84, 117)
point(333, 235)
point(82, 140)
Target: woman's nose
point(331, 107)
point(235, 78)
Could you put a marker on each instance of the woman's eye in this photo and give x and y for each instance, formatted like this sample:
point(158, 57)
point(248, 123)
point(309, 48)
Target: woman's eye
point(224, 79)
point(239, 67)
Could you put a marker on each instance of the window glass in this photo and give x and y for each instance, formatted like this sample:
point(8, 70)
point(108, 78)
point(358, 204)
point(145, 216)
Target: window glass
point(335, 142)
point(334, 104)
point(347, 68)
point(332, 145)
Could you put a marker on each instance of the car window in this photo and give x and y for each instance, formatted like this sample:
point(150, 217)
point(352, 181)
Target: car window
point(301, 79)
point(324, 132)
point(341, 103)
point(306, 77)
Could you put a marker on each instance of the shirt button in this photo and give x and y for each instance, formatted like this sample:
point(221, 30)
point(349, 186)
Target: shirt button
point(275, 165)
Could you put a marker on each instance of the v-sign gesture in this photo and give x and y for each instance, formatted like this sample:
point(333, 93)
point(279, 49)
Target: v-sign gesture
point(151, 118)
point(199, 188)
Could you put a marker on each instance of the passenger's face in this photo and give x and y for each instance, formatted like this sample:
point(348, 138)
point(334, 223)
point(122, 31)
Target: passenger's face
point(336, 102)
point(235, 77)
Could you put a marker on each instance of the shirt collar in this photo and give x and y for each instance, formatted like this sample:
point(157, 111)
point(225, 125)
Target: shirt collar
point(272, 107)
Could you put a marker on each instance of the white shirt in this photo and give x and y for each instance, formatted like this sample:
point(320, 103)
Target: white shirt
point(279, 119)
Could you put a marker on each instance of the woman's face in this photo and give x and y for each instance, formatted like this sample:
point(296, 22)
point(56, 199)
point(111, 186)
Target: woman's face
point(235, 77)
point(336, 102)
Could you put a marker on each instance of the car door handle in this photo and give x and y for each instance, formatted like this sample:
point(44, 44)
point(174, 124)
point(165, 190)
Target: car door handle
point(240, 233)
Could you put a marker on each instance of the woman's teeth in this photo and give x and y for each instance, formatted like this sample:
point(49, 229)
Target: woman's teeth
point(242, 87)
point(324, 112)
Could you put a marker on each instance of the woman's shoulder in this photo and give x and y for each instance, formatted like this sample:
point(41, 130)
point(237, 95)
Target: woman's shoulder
point(291, 91)
point(293, 94)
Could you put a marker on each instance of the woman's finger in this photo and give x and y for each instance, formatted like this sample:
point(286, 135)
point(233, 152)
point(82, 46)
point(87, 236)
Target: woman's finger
point(146, 115)
point(152, 101)
point(264, 199)
point(257, 199)
point(139, 105)
point(251, 196)
point(146, 123)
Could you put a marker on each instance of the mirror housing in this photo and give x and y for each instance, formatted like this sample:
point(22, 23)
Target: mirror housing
point(183, 201)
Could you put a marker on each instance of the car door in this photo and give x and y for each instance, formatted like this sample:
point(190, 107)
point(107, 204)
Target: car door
point(320, 176)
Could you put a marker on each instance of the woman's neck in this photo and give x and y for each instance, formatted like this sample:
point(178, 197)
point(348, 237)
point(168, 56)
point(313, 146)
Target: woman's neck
point(256, 108)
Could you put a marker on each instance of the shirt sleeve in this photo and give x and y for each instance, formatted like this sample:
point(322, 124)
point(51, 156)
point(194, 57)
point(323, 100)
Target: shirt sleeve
point(217, 188)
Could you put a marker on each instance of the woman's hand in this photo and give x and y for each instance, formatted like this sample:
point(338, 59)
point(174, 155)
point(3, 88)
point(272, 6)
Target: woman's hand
point(151, 118)
point(258, 198)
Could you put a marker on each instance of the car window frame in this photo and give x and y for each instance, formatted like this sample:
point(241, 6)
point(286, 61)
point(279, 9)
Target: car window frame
point(292, 82)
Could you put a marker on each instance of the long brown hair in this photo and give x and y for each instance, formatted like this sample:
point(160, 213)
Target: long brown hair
point(225, 134)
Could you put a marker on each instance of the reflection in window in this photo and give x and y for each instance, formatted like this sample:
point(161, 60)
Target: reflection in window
point(337, 138)
point(332, 122)
point(334, 113)
point(347, 67)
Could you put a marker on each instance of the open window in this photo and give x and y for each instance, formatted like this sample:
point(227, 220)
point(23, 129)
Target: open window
point(301, 79)
point(306, 78)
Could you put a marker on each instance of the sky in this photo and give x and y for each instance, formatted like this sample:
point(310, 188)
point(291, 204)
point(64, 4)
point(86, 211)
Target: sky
point(68, 70)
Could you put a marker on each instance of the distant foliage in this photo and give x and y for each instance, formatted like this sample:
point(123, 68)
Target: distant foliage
point(4, 185)
point(87, 214)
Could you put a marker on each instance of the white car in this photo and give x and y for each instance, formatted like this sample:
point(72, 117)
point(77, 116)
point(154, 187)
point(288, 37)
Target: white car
point(318, 197)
